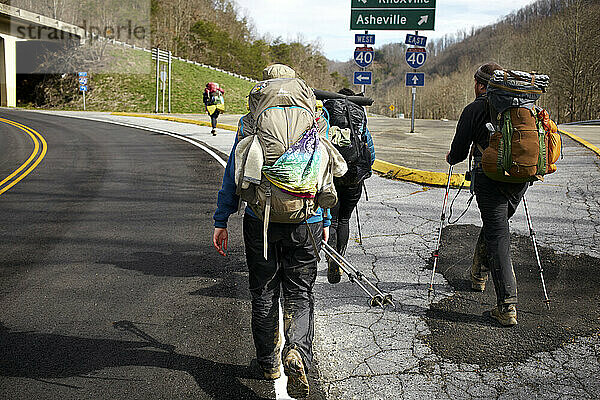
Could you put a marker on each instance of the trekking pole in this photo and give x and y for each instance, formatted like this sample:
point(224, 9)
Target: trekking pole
point(358, 223)
point(537, 254)
point(436, 252)
point(379, 298)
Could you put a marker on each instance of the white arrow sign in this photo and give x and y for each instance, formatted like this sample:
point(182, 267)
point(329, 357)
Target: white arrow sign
point(423, 19)
point(415, 80)
point(361, 78)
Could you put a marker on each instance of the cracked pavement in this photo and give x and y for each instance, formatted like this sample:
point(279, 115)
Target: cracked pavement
point(370, 353)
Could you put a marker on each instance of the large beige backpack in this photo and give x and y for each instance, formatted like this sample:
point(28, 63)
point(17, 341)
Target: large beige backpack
point(284, 167)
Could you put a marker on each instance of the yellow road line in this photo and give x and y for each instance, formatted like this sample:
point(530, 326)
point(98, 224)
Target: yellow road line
point(19, 173)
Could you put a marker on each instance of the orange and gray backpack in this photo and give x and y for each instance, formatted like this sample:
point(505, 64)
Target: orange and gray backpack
point(524, 143)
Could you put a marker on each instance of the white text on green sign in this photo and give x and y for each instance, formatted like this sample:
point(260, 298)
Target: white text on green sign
point(396, 4)
point(407, 20)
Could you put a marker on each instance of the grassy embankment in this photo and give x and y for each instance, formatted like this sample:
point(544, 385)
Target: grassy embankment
point(136, 91)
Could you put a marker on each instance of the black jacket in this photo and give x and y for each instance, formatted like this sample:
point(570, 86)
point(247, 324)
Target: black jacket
point(471, 129)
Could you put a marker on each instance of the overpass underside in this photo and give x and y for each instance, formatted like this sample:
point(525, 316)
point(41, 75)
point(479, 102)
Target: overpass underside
point(33, 44)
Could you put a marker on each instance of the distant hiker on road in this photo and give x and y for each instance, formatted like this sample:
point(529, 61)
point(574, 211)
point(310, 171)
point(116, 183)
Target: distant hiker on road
point(214, 103)
point(349, 132)
point(285, 176)
point(497, 203)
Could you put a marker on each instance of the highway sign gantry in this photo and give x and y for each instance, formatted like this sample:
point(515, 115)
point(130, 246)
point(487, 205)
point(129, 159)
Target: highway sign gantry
point(416, 56)
point(415, 79)
point(363, 56)
point(362, 77)
point(392, 15)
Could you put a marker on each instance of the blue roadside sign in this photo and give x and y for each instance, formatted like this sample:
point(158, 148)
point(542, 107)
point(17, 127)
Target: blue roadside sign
point(360, 38)
point(83, 74)
point(362, 77)
point(363, 56)
point(415, 40)
point(83, 81)
point(415, 79)
point(416, 56)
point(83, 88)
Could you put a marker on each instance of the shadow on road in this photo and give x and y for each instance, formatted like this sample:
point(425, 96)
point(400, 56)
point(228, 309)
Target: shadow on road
point(45, 356)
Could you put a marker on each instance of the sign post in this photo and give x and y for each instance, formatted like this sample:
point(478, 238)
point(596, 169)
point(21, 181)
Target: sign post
point(398, 15)
point(83, 81)
point(163, 75)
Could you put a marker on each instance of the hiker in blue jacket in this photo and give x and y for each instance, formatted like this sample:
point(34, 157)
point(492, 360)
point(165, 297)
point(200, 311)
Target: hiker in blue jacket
point(289, 268)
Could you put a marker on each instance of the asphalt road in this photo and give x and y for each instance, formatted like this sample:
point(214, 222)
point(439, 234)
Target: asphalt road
point(109, 286)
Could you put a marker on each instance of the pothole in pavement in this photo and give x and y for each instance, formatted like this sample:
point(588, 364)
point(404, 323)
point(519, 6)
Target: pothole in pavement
point(461, 328)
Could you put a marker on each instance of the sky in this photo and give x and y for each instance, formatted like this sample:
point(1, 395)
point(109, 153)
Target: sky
point(327, 22)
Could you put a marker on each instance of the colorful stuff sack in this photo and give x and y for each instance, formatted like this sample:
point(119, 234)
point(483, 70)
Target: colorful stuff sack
point(519, 147)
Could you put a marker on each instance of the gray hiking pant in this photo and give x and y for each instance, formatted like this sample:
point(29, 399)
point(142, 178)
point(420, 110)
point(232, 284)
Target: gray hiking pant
point(291, 266)
point(497, 202)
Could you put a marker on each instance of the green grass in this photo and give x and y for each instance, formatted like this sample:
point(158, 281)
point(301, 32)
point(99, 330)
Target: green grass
point(135, 91)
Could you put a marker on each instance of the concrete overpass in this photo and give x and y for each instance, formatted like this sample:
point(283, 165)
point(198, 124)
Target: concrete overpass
point(18, 25)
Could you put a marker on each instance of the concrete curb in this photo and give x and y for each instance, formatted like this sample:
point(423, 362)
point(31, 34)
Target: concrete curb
point(175, 119)
point(388, 170)
point(582, 141)
point(393, 171)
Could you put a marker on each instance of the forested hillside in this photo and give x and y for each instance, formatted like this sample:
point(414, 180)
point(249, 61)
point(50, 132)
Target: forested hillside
point(213, 32)
point(556, 37)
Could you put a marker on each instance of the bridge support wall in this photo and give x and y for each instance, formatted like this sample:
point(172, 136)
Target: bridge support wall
point(8, 71)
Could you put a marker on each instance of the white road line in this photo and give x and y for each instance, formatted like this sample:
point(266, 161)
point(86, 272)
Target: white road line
point(175, 135)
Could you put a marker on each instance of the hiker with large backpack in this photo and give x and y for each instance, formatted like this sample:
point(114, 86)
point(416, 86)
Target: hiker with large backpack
point(512, 144)
point(283, 169)
point(214, 103)
point(350, 135)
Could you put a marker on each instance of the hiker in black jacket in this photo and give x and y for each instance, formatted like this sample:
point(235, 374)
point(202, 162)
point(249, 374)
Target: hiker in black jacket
point(497, 203)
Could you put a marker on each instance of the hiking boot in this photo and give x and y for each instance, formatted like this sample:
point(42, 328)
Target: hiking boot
point(214, 133)
point(271, 373)
point(506, 315)
point(477, 286)
point(293, 367)
point(334, 274)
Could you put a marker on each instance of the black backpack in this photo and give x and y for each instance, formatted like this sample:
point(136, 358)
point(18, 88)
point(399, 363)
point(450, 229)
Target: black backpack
point(345, 114)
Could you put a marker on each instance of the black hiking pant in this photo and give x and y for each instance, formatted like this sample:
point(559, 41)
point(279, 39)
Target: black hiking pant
point(291, 268)
point(213, 119)
point(339, 231)
point(497, 202)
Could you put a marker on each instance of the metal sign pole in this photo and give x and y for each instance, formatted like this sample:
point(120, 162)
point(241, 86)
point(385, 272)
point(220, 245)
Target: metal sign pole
point(163, 79)
point(157, 77)
point(363, 88)
point(84, 100)
point(170, 82)
point(414, 97)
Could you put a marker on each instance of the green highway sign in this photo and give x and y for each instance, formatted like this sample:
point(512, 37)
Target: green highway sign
point(392, 19)
point(397, 4)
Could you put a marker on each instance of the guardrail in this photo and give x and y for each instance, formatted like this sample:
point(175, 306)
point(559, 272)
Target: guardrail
point(133, 46)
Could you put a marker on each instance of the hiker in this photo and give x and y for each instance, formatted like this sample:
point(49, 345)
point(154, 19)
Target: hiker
point(350, 186)
point(497, 202)
point(214, 103)
point(283, 224)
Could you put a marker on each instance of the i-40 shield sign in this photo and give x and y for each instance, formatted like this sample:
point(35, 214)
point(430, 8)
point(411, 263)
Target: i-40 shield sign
point(415, 57)
point(363, 56)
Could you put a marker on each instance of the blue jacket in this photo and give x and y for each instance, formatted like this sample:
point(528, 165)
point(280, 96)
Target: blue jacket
point(228, 201)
